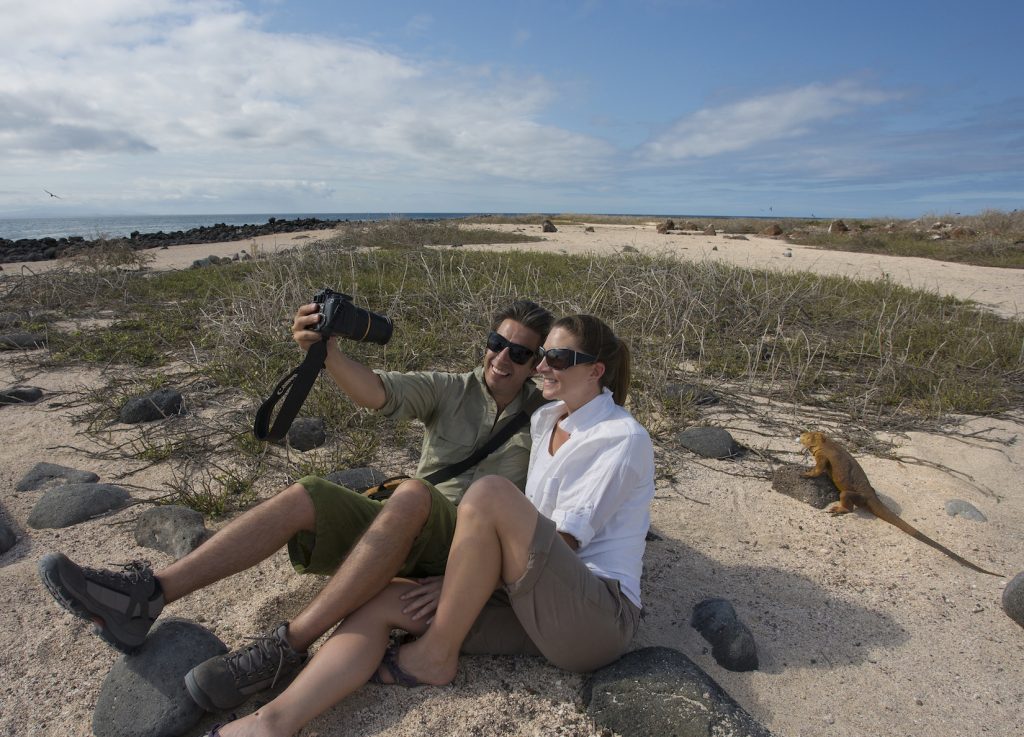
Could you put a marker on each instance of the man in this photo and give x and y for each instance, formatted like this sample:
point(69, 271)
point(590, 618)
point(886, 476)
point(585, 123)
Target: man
point(362, 544)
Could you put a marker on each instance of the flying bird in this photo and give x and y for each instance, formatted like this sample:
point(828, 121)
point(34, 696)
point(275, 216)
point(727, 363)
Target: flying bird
point(51, 194)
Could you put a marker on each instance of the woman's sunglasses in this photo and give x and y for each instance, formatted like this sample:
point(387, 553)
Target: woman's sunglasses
point(562, 358)
point(518, 353)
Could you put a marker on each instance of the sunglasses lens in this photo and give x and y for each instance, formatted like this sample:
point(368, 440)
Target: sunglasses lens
point(558, 358)
point(518, 353)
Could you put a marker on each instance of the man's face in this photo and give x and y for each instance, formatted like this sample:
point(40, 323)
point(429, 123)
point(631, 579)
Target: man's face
point(503, 376)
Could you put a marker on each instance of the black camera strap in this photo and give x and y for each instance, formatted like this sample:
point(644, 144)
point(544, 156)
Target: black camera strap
point(385, 488)
point(297, 385)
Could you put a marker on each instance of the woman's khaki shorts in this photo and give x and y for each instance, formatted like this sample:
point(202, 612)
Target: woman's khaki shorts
point(558, 609)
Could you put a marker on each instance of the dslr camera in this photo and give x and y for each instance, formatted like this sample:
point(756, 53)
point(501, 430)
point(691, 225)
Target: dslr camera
point(338, 316)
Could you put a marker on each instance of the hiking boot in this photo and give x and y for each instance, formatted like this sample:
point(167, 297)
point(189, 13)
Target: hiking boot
point(226, 681)
point(122, 604)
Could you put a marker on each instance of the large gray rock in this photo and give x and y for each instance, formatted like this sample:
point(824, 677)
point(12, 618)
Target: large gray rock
point(732, 643)
point(153, 406)
point(1013, 599)
point(173, 529)
point(356, 478)
point(818, 491)
point(307, 433)
point(74, 503)
point(660, 692)
point(961, 508)
point(710, 442)
point(45, 474)
point(144, 694)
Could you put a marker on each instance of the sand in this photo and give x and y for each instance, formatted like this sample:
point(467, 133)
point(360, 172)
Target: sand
point(861, 630)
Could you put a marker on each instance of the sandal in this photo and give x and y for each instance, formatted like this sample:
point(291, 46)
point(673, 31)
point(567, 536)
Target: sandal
point(215, 732)
point(390, 663)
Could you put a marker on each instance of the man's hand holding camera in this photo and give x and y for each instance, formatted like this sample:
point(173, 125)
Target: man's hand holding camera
point(331, 314)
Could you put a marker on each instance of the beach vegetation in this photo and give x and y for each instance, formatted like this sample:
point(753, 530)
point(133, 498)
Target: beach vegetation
point(869, 354)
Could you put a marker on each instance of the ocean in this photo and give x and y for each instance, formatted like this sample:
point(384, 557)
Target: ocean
point(115, 226)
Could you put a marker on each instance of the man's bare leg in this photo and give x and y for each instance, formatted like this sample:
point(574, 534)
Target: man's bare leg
point(371, 564)
point(244, 542)
point(225, 681)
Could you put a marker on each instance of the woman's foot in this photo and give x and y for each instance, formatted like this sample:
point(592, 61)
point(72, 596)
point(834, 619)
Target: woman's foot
point(417, 664)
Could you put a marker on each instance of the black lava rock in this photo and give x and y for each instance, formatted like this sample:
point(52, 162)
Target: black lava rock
point(307, 433)
point(173, 529)
point(21, 395)
point(7, 536)
point(710, 442)
point(10, 341)
point(153, 406)
point(819, 491)
point(659, 692)
point(732, 643)
point(358, 479)
point(144, 694)
point(687, 393)
point(45, 474)
point(68, 505)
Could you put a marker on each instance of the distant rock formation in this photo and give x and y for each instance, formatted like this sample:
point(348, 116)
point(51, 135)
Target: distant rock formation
point(45, 249)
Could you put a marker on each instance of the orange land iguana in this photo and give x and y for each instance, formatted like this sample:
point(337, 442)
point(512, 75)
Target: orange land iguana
point(856, 491)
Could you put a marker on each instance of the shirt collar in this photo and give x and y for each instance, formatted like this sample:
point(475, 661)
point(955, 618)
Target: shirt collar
point(588, 415)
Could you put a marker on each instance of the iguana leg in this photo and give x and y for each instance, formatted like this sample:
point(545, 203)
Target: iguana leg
point(820, 466)
point(843, 506)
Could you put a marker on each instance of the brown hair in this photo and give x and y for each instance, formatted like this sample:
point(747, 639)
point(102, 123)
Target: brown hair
point(528, 314)
point(597, 339)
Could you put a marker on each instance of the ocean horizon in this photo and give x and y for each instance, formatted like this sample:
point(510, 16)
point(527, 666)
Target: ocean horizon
point(117, 226)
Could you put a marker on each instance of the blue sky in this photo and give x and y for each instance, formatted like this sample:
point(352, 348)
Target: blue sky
point(652, 106)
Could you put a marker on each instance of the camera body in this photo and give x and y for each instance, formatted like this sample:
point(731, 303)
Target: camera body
point(339, 316)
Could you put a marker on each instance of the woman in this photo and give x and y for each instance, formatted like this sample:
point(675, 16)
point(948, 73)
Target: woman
point(565, 557)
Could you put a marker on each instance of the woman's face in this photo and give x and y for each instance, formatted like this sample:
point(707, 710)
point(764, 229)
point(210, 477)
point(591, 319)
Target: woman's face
point(575, 385)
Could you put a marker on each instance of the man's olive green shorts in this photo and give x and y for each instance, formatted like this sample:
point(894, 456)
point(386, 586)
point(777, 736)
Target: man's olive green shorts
point(342, 516)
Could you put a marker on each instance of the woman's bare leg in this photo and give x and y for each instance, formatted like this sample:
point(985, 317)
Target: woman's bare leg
point(492, 545)
point(345, 662)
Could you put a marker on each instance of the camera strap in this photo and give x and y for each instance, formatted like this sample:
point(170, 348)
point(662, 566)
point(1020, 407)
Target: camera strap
point(385, 488)
point(296, 385)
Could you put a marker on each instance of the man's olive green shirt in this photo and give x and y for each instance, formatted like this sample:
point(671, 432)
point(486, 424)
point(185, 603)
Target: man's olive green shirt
point(459, 414)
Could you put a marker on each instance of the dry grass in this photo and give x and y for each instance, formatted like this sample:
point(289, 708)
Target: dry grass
point(874, 355)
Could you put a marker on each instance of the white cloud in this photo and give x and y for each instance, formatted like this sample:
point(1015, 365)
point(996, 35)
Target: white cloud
point(192, 90)
point(745, 124)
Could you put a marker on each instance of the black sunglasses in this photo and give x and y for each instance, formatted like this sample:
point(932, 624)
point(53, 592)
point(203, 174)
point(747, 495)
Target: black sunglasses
point(518, 353)
point(563, 358)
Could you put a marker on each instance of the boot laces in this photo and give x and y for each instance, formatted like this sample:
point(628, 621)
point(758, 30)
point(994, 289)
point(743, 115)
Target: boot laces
point(255, 657)
point(132, 572)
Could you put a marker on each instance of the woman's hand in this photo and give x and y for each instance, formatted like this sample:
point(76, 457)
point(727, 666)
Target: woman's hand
point(422, 600)
point(305, 319)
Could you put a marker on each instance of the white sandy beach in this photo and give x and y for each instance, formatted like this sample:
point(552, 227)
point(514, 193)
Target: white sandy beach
point(862, 631)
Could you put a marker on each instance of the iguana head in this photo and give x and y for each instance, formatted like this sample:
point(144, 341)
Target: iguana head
point(811, 440)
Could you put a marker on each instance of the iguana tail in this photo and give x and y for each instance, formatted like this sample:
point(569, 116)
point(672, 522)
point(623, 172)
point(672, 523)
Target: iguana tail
point(884, 513)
